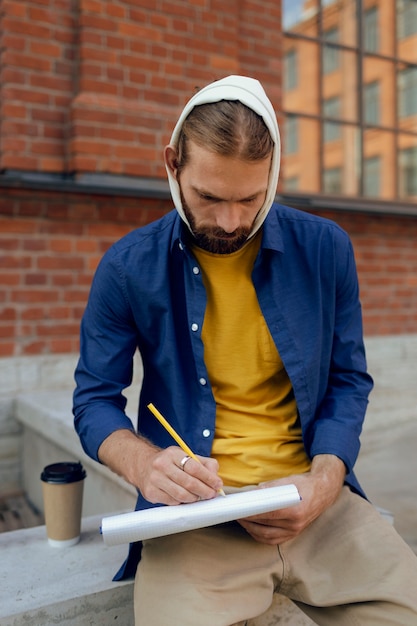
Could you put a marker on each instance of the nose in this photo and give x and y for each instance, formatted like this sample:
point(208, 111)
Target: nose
point(229, 217)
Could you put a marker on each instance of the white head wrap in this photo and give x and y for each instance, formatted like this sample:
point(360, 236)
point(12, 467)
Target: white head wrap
point(250, 93)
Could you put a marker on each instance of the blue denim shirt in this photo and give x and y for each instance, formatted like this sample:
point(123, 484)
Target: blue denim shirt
point(148, 294)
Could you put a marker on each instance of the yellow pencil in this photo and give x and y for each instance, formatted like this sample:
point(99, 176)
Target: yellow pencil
point(175, 436)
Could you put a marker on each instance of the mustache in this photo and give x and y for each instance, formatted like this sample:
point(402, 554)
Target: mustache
point(219, 233)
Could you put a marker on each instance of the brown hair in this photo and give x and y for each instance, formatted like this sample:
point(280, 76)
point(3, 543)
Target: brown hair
point(227, 127)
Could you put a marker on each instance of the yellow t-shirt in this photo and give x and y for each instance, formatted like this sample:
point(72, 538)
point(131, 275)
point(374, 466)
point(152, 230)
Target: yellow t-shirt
point(258, 434)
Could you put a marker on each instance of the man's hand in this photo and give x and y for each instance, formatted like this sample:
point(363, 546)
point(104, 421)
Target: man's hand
point(156, 472)
point(318, 489)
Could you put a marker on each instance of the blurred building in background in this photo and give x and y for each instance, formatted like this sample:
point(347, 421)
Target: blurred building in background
point(350, 98)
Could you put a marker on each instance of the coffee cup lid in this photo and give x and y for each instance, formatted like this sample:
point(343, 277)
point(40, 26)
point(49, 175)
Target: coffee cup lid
point(62, 473)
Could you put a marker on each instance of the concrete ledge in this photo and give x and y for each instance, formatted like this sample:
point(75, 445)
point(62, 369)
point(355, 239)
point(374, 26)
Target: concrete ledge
point(43, 586)
point(40, 585)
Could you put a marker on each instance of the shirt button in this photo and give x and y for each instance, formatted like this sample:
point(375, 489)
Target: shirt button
point(203, 381)
point(181, 247)
point(196, 270)
point(194, 327)
point(206, 433)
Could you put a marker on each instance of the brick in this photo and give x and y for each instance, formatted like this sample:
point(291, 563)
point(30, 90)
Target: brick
point(33, 347)
point(27, 61)
point(9, 279)
point(7, 314)
point(63, 346)
point(32, 279)
point(96, 147)
point(33, 314)
point(55, 328)
point(86, 246)
point(95, 22)
point(52, 164)
point(7, 348)
point(55, 263)
point(6, 331)
point(45, 48)
point(9, 244)
point(61, 245)
point(15, 9)
point(13, 110)
point(38, 14)
point(91, 6)
point(114, 10)
point(16, 226)
point(31, 296)
point(11, 262)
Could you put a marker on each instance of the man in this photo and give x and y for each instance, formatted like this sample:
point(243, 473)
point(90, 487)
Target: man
point(247, 318)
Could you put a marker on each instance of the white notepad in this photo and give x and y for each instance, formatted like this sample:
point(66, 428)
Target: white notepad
point(168, 520)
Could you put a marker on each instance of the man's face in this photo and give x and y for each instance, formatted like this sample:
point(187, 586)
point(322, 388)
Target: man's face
point(221, 196)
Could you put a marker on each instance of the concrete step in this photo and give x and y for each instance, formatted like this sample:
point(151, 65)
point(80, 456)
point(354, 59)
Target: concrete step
point(41, 585)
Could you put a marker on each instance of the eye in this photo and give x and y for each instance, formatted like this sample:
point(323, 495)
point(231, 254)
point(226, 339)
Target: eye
point(207, 198)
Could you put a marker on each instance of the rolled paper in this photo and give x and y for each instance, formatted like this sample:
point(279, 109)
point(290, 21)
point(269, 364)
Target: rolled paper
point(168, 520)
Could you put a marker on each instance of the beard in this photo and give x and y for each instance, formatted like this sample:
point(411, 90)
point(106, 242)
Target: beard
point(214, 239)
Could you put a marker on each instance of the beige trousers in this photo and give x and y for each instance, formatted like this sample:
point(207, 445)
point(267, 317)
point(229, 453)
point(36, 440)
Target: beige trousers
point(348, 568)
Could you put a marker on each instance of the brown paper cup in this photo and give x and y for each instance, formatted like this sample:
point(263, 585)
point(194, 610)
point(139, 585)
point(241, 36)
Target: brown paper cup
point(62, 487)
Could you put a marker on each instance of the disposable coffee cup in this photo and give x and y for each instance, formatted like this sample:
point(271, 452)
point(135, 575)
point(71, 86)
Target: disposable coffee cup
point(62, 488)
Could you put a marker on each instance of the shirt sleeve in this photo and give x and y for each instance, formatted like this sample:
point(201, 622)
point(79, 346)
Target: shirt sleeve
point(340, 416)
point(108, 341)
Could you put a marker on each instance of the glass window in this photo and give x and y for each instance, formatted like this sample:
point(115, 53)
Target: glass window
point(407, 92)
point(406, 18)
point(299, 15)
point(408, 172)
point(379, 155)
point(371, 103)
point(353, 103)
point(303, 164)
point(343, 86)
point(332, 180)
point(331, 109)
point(372, 176)
point(331, 54)
point(303, 94)
point(370, 30)
point(291, 135)
point(291, 183)
point(381, 71)
point(290, 70)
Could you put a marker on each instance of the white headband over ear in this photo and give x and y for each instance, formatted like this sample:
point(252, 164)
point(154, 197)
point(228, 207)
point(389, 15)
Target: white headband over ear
point(249, 92)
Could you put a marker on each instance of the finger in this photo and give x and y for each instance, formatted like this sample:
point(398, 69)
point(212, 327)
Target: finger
point(205, 471)
point(173, 477)
point(198, 481)
point(268, 535)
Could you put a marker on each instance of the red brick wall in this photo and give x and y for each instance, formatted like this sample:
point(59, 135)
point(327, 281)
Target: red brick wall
point(386, 258)
point(49, 248)
point(51, 244)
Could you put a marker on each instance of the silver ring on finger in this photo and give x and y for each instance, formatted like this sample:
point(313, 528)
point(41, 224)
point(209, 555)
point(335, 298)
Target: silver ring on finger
point(184, 461)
